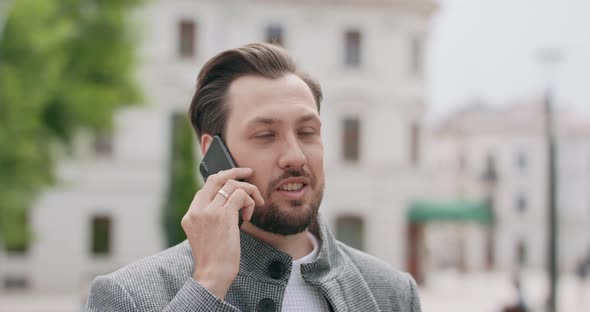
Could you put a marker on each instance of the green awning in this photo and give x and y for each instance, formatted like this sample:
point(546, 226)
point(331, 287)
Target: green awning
point(459, 210)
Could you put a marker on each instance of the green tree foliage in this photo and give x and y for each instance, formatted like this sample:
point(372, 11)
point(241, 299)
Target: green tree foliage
point(64, 65)
point(183, 180)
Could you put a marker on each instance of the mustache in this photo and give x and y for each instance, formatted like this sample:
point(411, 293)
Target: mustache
point(291, 173)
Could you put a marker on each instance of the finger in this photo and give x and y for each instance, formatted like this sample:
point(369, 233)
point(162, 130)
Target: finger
point(238, 200)
point(232, 185)
point(252, 190)
point(248, 211)
point(196, 200)
point(216, 181)
point(219, 199)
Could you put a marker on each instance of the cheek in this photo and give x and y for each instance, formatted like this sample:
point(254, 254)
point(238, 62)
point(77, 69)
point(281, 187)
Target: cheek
point(250, 157)
point(315, 164)
point(262, 168)
point(315, 158)
point(259, 161)
point(261, 179)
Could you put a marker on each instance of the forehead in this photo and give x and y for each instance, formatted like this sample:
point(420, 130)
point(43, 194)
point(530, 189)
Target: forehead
point(255, 96)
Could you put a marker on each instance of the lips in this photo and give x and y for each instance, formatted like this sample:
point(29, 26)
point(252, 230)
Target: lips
point(293, 184)
point(293, 188)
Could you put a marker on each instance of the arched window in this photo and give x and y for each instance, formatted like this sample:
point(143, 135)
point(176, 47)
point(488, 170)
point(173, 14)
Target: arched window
point(186, 38)
point(352, 56)
point(101, 235)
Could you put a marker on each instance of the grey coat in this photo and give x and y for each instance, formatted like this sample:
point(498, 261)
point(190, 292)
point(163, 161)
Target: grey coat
point(349, 279)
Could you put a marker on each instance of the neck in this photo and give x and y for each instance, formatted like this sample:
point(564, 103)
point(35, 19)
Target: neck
point(296, 245)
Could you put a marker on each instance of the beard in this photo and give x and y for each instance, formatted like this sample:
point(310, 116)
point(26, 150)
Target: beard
point(295, 218)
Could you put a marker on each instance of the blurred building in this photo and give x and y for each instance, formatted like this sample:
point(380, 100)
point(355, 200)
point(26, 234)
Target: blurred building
point(105, 210)
point(500, 156)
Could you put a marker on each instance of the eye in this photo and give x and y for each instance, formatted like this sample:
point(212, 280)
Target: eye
point(307, 131)
point(264, 135)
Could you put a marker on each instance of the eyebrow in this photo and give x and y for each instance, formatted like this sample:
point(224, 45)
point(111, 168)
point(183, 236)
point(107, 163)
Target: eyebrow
point(271, 121)
point(263, 120)
point(308, 117)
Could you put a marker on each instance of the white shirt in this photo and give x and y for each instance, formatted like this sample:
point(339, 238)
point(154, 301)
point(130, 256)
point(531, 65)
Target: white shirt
point(299, 295)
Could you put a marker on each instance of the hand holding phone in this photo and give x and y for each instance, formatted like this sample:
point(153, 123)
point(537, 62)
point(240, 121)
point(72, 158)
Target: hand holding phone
point(211, 218)
point(216, 158)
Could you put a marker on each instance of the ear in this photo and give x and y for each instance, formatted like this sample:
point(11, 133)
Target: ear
point(206, 140)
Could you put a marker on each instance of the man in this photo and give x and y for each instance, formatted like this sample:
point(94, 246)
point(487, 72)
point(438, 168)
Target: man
point(283, 258)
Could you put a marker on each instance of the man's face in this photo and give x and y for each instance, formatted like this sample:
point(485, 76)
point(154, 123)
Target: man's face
point(274, 128)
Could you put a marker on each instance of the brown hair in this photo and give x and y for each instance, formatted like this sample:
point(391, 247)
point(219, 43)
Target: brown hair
point(209, 110)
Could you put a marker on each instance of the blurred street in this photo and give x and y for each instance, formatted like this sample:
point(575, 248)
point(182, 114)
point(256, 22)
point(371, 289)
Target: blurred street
point(486, 292)
point(446, 291)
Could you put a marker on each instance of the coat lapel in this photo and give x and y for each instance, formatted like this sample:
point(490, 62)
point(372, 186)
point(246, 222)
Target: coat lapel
point(337, 276)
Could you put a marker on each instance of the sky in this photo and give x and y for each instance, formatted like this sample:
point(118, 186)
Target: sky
point(488, 50)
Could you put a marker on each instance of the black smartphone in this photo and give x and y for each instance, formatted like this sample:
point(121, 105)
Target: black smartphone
point(217, 158)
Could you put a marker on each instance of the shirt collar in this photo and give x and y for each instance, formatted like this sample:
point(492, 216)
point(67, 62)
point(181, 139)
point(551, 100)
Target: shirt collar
point(259, 259)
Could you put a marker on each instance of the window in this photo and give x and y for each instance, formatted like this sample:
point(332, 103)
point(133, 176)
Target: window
point(415, 144)
point(521, 161)
point(350, 230)
point(15, 283)
point(186, 39)
point(274, 34)
point(521, 203)
point(101, 235)
point(350, 139)
point(416, 56)
point(353, 48)
point(490, 175)
point(103, 143)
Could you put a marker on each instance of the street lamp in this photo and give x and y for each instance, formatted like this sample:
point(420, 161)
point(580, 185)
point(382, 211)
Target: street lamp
point(549, 58)
point(489, 179)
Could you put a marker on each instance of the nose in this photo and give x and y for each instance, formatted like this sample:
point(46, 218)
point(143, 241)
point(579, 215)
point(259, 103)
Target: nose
point(291, 155)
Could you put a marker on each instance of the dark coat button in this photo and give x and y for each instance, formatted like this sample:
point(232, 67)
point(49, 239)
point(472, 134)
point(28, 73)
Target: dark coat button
point(276, 270)
point(266, 305)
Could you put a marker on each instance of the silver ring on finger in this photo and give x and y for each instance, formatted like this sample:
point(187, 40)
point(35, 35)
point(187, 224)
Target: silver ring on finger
point(223, 193)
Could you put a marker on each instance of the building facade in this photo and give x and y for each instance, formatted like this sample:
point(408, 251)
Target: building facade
point(511, 142)
point(369, 58)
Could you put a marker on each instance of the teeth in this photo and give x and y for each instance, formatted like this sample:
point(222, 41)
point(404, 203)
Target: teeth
point(292, 186)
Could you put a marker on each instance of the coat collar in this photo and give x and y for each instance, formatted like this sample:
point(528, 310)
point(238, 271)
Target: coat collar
point(257, 256)
point(332, 271)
